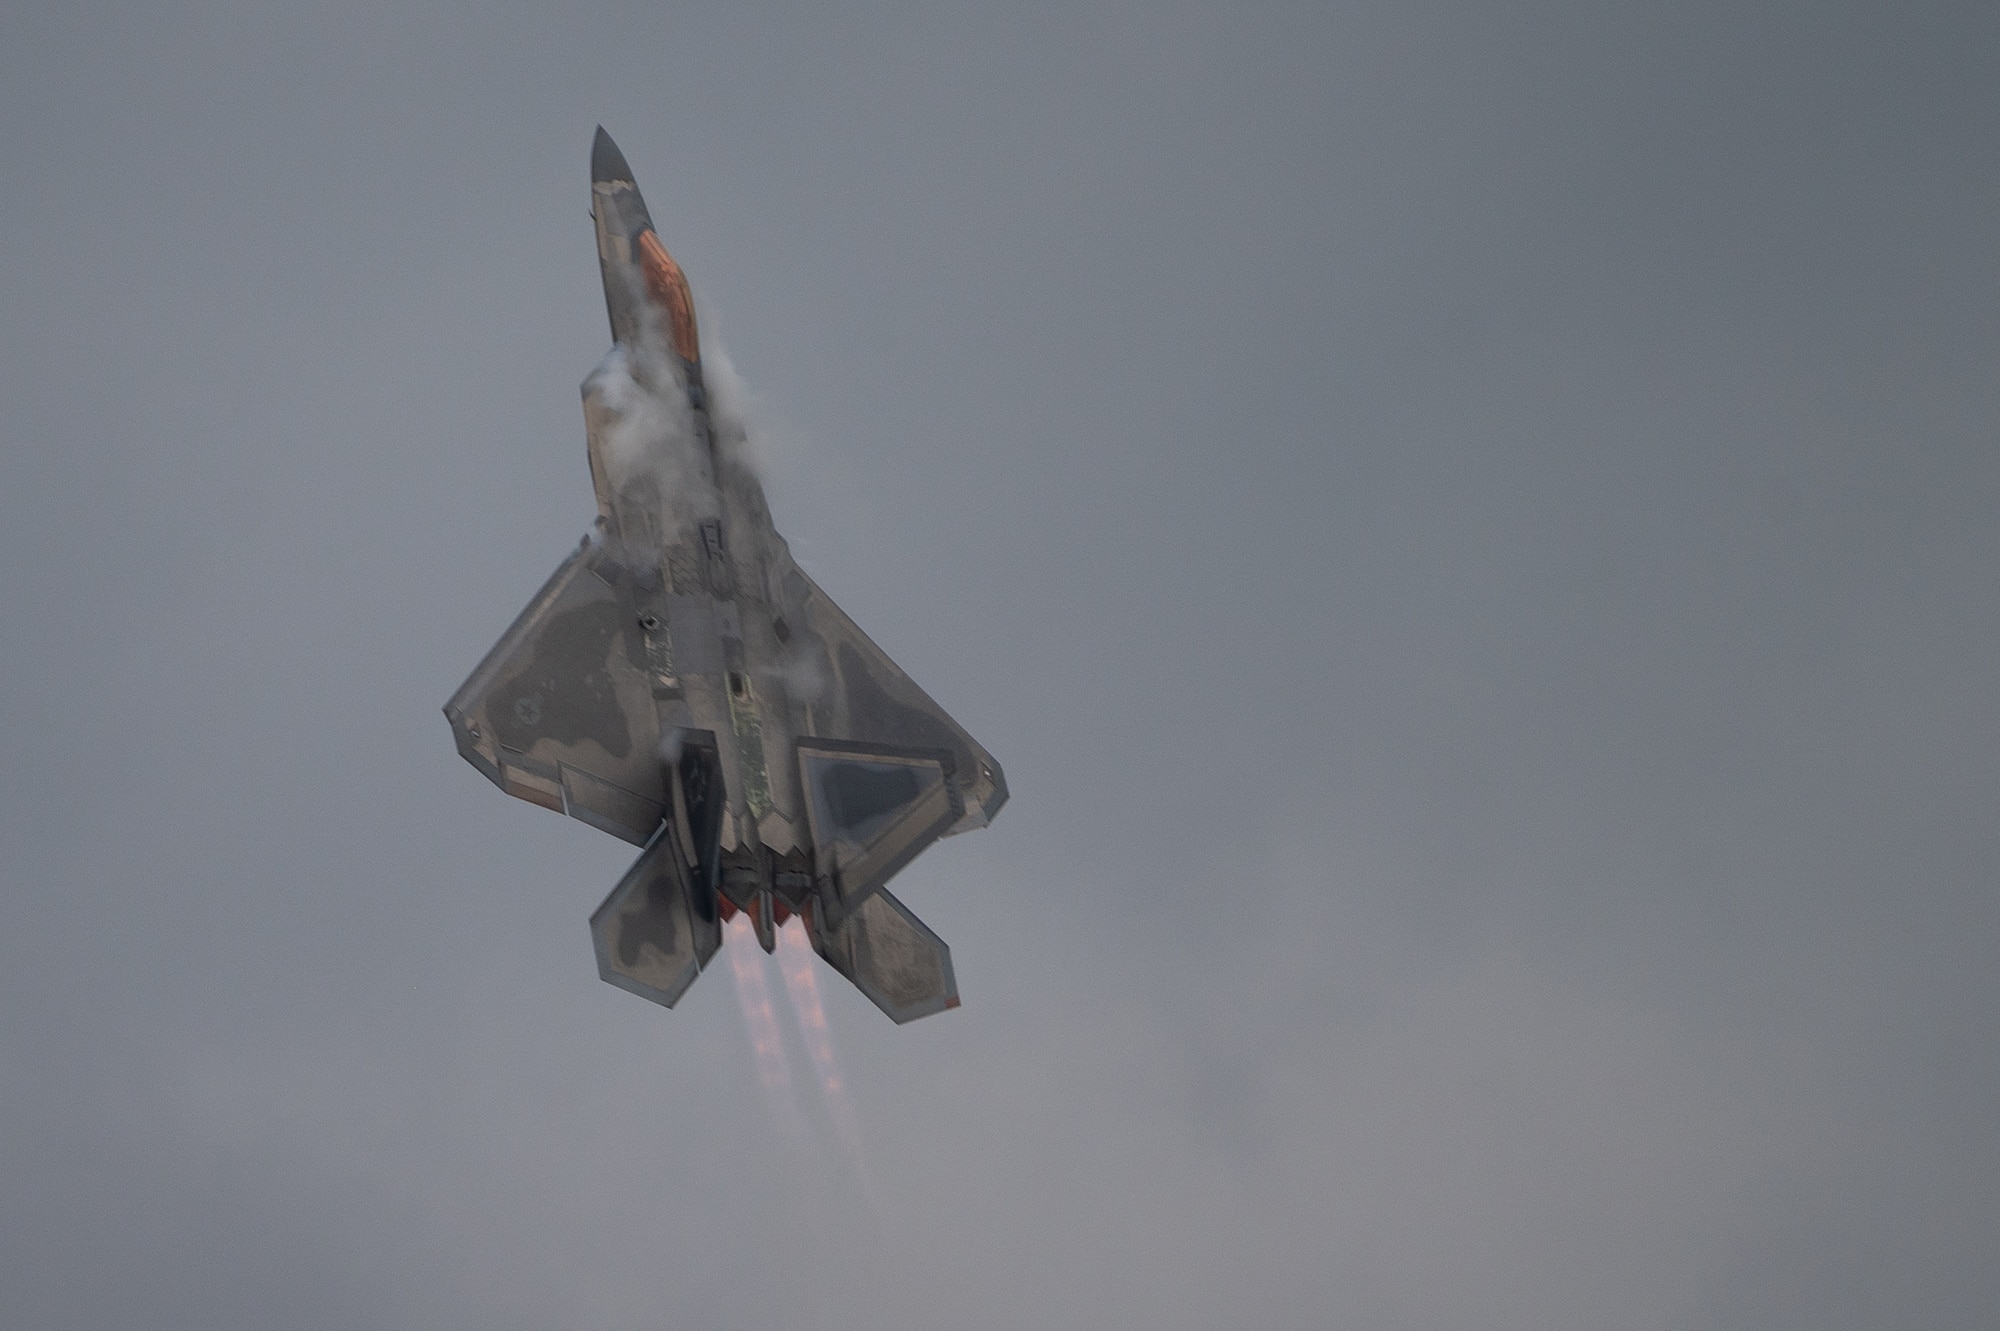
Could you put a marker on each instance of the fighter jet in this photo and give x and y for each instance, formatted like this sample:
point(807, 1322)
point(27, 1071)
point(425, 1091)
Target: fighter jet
point(680, 682)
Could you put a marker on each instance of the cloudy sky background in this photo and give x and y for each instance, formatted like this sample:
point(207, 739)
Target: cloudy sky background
point(1472, 529)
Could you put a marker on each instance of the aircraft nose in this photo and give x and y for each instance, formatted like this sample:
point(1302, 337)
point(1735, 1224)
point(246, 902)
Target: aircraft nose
point(606, 162)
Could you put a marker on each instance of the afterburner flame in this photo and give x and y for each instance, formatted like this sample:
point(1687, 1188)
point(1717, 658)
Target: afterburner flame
point(761, 1016)
point(795, 963)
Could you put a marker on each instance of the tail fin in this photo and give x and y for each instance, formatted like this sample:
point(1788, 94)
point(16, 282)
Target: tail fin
point(658, 928)
point(872, 808)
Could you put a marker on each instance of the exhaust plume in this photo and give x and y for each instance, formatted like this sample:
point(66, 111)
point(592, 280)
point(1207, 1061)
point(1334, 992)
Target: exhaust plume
point(773, 1069)
point(795, 963)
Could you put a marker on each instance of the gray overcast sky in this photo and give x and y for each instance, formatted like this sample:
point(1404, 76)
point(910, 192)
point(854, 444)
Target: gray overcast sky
point(1472, 528)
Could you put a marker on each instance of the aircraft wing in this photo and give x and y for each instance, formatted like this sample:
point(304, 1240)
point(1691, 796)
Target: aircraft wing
point(886, 771)
point(558, 715)
point(875, 703)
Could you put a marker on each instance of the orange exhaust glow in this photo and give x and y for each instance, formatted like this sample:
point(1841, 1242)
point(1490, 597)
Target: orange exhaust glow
point(795, 963)
point(669, 290)
point(768, 1047)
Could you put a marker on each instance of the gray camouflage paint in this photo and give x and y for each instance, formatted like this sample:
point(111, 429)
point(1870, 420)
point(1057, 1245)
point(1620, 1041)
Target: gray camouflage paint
point(682, 626)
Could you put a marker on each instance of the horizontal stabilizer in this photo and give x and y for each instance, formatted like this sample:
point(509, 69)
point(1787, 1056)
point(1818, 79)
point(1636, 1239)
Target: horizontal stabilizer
point(892, 957)
point(658, 928)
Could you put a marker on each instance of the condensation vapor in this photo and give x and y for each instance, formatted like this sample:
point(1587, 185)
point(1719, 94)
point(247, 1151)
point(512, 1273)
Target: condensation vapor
point(658, 467)
point(761, 1016)
point(732, 410)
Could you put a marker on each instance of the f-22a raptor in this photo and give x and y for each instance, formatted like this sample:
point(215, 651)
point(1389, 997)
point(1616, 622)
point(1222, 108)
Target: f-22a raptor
point(682, 683)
